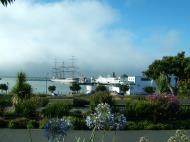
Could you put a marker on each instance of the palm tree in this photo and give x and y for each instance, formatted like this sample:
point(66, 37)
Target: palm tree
point(6, 2)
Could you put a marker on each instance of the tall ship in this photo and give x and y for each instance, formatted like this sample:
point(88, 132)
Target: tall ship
point(65, 74)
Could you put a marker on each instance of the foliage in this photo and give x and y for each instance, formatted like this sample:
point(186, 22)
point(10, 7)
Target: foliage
point(155, 108)
point(26, 108)
point(77, 113)
point(42, 123)
point(58, 110)
point(162, 84)
point(103, 119)
point(100, 97)
point(4, 87)
point(31, 124)
point(3, 123)
point(124, 88)
point(40, 101)
point(139, 109)
point(18, 123)
point(6, 2)
point(166, 107)
point(178, 65)
point(149, 89)
point(56, 129)
point(78, 123)
point(79, 102)
point(102, 88)
point(183, 88)
point(22, 89)
point(180, 136)
point(4, 102)
point(75, 87)
point(51, 88)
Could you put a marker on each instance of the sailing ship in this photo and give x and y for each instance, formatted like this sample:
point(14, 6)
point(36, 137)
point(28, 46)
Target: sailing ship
point(65, 74)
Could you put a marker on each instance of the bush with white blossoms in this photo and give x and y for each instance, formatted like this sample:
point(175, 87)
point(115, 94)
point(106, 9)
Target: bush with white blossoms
point(103, 119)
point(56, 129)
point(143, 139)
point(179, 136)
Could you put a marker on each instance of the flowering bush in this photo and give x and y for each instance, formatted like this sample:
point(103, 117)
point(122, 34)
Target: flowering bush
point(56, 129)
point(165, 106)
point(179, 136)
point(143, 139)
point(103, 119)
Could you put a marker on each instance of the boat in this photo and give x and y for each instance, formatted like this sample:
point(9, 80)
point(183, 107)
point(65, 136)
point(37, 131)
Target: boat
point(65, 74)
point(65, 80)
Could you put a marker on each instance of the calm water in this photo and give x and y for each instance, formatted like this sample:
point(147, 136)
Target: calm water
point(13, 135)
point(40, 86)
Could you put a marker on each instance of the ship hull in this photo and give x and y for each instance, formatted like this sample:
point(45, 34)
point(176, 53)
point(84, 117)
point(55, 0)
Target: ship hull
point(64, 81)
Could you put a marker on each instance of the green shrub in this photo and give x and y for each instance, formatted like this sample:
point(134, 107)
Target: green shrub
point(184, 113)
point(3, 123)
point(4, 102)
point(32, 124)
point(25, 109)
point(40, 101)
point(139, 109)
point(78, 123)
point(158, 126)
point(100, 97)
point(42, 123)
point(146, 125)
point(79, 102)
point(77, 113)
point(57, 110)
point(19, 123)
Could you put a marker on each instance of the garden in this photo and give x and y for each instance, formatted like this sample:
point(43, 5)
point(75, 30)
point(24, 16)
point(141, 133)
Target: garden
point(21, 109)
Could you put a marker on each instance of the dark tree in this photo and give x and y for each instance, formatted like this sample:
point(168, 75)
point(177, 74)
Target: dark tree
point(51, 88)
point(102, 88)
point(4, 87)
point(124, 88)
point(75, 87)
point(22, 89)
point(178, 65)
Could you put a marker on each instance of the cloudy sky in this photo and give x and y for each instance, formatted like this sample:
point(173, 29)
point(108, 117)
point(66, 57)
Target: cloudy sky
point(105, 36)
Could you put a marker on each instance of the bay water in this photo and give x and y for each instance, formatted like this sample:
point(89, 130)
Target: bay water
point(41, 87)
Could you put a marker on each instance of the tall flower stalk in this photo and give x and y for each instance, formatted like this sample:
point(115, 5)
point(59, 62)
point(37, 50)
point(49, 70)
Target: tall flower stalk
point(56, 129)
point(103, 119)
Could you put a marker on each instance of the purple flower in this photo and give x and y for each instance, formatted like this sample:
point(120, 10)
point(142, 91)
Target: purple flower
point(103, 119)
point(57, 128)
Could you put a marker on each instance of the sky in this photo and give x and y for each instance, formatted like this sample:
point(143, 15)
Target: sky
point(105, 36)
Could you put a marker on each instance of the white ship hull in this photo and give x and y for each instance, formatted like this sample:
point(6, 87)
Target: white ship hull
point(65, 81)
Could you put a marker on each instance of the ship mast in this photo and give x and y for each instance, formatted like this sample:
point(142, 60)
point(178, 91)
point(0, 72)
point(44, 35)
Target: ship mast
point(55, 69)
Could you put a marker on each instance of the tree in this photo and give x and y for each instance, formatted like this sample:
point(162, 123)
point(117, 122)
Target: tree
point(22, 89)
point(124, 88)
point(75, 87)
point(162, 84)
point(101, 88)
point(149, 89)
point(178, 66)
point(4, 87)
point(6, 2)
point(51, 88)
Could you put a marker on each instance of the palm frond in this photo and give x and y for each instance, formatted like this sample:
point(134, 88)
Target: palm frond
point(6, 2)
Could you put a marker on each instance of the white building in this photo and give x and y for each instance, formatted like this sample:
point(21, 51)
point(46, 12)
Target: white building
point(108, 80)
point(138, 83)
